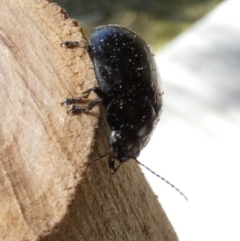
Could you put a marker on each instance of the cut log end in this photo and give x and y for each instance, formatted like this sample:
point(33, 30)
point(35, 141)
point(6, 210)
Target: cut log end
point(45, 188)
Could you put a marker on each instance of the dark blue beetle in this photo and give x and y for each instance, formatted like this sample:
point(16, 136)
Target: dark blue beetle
point(128, 87)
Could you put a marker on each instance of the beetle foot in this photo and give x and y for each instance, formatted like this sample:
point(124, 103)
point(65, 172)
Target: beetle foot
point(71, 101)
point(70, 44)
point(76, 110)
point(85, 94)
point(112, 165)
point(73, 44)
point(115, 169)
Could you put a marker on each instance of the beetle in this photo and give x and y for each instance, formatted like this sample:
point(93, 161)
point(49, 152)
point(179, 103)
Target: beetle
point(129, 88)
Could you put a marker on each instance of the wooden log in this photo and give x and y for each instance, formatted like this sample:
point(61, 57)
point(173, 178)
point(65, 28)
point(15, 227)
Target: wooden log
point(46, 193)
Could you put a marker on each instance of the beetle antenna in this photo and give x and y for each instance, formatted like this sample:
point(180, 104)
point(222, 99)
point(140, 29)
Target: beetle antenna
point(169, 183)
point(99, 158)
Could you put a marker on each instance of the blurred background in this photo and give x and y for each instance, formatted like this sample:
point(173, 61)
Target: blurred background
point(196, 145)
point(157, 21)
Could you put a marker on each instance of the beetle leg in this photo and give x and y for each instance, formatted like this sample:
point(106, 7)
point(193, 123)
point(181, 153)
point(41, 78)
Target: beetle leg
point(112, 166)
point(70, 44)
point(85, 94)
point(94, 89)
point(76, 110)
point(78, 100)
point(74, 44)
point(71, 101)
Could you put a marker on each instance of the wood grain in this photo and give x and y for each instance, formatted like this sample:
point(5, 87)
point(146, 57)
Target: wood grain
point(46, 191)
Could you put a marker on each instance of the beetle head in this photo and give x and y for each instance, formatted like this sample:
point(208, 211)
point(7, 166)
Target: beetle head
point(125, 144)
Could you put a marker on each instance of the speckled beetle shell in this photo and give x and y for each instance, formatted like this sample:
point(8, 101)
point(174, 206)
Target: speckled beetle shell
point(127, 76)
point(124, 65)
point(128, 87)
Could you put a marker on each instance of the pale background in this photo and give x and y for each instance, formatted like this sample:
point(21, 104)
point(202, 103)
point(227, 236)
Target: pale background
point(196, 145)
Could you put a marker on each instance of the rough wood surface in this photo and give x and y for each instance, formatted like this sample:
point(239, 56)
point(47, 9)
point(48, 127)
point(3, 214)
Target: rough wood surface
point(45, 191)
